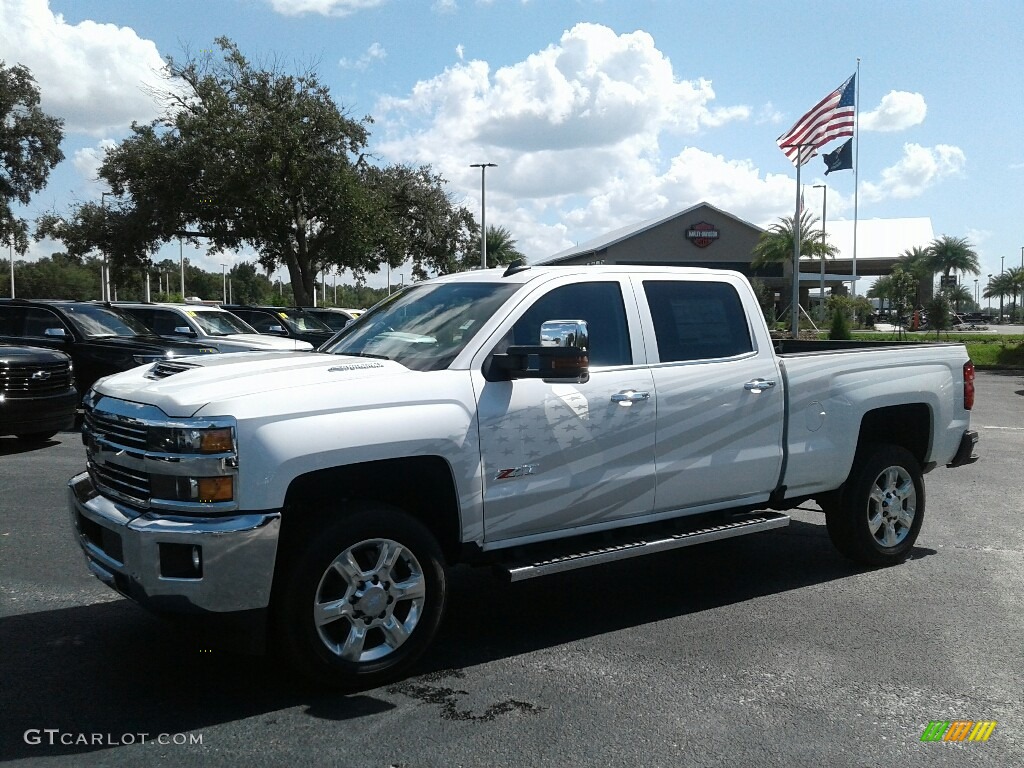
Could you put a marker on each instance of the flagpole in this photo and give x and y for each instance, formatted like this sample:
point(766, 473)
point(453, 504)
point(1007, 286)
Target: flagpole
point(856, 172)
point(794, 307)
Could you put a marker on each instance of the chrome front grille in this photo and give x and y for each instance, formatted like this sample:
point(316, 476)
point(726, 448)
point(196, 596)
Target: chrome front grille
point(128, 484)
point(22, 380)
point(123, 431)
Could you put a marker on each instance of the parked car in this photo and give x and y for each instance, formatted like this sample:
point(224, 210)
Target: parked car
point(334, 318)
point(534, 421)
point(37, 393)
point(213, 326)
point(289, 322)
point(100, 338)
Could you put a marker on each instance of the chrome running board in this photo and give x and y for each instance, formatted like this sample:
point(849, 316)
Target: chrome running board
point(633, 546)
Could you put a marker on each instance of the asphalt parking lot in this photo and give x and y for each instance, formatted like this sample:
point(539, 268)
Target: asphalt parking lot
point(763, 650)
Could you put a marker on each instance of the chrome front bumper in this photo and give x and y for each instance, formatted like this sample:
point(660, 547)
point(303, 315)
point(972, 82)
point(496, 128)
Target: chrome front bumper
point(149, 558)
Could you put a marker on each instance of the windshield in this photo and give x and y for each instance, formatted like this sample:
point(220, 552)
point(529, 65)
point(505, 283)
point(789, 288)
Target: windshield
point(94, 320)
point(299, 321)
point(218, 323)
point(423, 327)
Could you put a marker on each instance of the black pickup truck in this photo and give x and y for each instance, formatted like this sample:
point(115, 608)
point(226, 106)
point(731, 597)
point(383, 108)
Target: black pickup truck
point(100, 339)
point(37, 393)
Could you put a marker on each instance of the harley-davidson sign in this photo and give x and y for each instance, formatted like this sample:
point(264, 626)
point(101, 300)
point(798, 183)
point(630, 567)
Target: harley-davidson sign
point(702, 234)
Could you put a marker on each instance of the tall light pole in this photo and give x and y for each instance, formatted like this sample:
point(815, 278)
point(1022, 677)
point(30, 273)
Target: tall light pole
point(12, 265)
point(483, 209)
point(977, 298)
point(105, 269)
point(824, 206)
point(224, 282)
point(181, 263)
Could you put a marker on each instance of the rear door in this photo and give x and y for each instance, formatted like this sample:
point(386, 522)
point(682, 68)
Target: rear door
point(558, 456)
point(720, 399)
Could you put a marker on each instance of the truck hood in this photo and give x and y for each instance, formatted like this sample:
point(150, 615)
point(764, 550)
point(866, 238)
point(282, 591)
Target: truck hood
point(181, 387)
point(262, 341)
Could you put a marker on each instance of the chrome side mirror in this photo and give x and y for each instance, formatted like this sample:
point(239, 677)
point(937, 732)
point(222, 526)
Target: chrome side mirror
point(570, 334)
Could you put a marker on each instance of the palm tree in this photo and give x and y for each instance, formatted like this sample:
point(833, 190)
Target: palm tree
point(501, 249)
point(1000, 285)
point(948, 253)
point(958, 295)
point(916, 261)
point(775, 245)
point(1015, 281)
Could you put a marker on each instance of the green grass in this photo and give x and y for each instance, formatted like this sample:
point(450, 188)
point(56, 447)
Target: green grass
point(986, 350)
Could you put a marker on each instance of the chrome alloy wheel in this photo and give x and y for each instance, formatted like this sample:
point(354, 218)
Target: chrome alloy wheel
point(369, 600)
point(892, 505)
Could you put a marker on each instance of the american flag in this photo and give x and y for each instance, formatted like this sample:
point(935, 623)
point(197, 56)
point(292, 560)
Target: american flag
point(831, 118)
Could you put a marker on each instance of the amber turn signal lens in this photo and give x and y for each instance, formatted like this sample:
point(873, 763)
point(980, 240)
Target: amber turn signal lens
point(215, 489)
point(215, 440)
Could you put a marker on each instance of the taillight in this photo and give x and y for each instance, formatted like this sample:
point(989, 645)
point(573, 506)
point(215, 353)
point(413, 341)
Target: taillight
point(968, 385)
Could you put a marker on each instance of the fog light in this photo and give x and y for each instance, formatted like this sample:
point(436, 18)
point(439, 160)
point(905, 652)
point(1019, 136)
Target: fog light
point(214, 489)
point(181, 561)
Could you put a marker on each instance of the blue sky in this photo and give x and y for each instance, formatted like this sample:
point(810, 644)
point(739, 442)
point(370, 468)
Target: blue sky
point(598, 114)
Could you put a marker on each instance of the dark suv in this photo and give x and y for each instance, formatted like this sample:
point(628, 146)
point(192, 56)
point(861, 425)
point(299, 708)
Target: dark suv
point(100, 339)
point(332, 317)
point(290, 322)
point(37, 393)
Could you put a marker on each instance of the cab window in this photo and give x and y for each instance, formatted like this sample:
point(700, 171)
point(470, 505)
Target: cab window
point(697, 320)
point(599, 304)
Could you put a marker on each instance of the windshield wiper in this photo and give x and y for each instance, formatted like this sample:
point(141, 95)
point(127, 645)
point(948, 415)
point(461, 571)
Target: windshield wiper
point(364, 354)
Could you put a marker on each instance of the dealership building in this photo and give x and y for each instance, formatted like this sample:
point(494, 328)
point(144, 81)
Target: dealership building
point(705, 236)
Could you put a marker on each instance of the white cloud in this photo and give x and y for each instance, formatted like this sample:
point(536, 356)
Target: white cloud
point(323, 7)
point(594, 88)
point(374, 53)
point(919, 169)
point(460, 51)
point(768, 114)
point(577, 132)
point(444, 6)
point(87, 161)
point(98, 77)
point(897, 111)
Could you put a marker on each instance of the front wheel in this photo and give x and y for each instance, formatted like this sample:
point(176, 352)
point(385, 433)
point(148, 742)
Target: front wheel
point(879, 515)
point(361, 601)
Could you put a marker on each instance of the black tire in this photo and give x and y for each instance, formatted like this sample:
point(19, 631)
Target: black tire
point(878, 517)
point(36, 437)
point(384, 616)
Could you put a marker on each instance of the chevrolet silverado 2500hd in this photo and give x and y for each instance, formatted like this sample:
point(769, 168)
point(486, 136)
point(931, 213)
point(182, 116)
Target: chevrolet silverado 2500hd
point(534, 420)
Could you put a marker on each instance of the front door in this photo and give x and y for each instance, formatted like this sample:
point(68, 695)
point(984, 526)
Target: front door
point(558, 456)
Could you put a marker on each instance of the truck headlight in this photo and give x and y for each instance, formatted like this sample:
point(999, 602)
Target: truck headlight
point(191, 440)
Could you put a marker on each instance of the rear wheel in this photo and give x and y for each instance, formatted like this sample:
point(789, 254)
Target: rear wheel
point(878, 517)
point(362, 599)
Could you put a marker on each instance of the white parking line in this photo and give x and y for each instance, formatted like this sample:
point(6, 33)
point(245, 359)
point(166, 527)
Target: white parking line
point(1011, 429)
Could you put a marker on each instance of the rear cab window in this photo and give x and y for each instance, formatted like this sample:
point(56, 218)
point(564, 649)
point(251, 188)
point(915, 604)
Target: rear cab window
point(697, 320)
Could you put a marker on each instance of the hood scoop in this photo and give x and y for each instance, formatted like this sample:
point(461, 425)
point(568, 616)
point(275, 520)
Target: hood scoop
point(168, 368)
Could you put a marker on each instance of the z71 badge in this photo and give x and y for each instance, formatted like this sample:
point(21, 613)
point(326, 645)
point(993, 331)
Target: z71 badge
point(508, 474)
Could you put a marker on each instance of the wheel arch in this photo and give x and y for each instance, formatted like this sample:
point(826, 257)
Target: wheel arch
point(907, 425)
point(421, 486)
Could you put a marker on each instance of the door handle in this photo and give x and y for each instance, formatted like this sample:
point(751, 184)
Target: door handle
point(630, 396)
point(758, 385)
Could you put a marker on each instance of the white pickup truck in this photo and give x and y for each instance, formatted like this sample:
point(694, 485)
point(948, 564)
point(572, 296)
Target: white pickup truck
point(534, 420)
